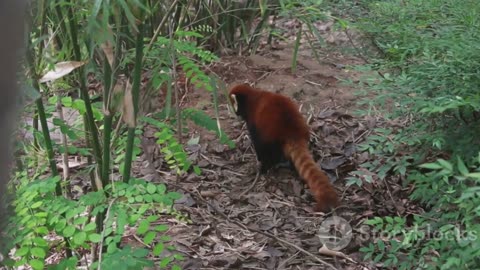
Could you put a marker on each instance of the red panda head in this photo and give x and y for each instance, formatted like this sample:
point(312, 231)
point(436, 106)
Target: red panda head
point(239, 96)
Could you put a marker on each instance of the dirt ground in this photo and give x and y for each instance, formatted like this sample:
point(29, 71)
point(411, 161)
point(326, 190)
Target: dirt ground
point(271, 225)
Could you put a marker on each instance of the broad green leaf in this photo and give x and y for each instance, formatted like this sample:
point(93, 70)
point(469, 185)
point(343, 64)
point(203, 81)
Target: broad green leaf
point(80, 220)
point(67, 101)
point(475, 175)
point(165, 261)
point(161, 189)
point(139, 198)
point(151, 188)
point(445, 164)
point(41, 230)
point(149, 237)
point(178, 256)
point(112, 247)
point(38, 252)
point(152, 218)
point(140, 252)
point(69, 231)
point(158, 249)
point(143, 227)
point(90, 227)
point(80, 237)
point(22, 251)
point(36, 204)
point(95, 237)
point(381, 245)
point(39, 241)
point(60, 225)
point(432, 166)
point(461, 167)
point(36, 264)
point(161, 228)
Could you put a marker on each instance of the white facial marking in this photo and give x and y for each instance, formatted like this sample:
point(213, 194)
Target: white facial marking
point(235, 103)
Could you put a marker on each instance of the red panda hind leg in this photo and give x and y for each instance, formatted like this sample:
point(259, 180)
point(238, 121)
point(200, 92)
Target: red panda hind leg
point(268, 154)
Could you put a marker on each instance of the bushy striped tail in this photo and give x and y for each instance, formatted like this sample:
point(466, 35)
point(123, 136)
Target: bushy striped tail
point(315, 178)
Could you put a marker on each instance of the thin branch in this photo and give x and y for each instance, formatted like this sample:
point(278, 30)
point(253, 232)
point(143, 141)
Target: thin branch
point(359, 53)
point(252, 185)
point(64, 141)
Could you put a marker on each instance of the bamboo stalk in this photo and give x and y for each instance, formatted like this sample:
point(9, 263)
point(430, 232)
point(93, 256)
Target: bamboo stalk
point(42, 117)
point(135, 92)
point(107, 121)
point(92, 133)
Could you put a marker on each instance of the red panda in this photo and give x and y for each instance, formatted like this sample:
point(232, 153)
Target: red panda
point(279, 131)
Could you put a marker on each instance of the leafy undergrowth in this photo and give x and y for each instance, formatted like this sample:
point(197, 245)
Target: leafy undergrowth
point(427, 84)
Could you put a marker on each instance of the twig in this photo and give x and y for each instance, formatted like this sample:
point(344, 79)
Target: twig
point(333, 253)
point(365, 133)
point(360, 53)
point(63, 138)
point(387, 185)
point(282, 264)
point(252, 185)
point(140, 241)
point(314, 83)
point(355, 47)
point(160, 25)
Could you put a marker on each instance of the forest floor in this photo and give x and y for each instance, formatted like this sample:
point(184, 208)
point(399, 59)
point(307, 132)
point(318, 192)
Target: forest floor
point(271, 225)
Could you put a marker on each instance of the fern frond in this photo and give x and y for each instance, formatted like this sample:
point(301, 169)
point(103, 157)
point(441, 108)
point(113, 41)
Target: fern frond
point(204, 120)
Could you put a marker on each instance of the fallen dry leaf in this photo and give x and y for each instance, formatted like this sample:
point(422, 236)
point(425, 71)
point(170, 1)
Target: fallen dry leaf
point(60, 70)
point(128, 114)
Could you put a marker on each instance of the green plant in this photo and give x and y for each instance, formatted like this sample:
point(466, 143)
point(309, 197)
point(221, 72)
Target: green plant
point(39, 213)
point(202, 119)
point(187, 54)
point(386, 248)
point(172, 150)
point(448, 234)
point(384, 145)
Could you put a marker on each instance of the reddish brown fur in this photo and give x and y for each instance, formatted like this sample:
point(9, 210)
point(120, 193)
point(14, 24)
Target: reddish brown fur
point(274, 120)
